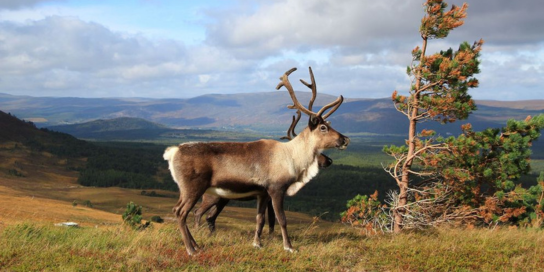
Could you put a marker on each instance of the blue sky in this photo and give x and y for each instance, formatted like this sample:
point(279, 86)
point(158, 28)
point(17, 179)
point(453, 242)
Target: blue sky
point(154, 48)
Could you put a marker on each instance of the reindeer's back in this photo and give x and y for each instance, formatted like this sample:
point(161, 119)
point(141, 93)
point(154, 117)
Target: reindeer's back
point(222, 162)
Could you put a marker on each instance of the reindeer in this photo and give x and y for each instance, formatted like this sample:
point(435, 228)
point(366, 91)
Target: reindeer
point(264, 168)
point(214, 204)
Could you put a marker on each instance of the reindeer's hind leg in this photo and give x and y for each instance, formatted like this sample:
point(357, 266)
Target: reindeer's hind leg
point(192, 240)
point(182, 211)
point(176, 207)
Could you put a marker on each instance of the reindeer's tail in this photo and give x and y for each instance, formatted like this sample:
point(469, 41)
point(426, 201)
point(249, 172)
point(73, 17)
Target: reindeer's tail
point(169, 153)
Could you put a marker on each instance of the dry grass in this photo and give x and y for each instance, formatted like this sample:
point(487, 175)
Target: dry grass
point(29, 241)
point(17, 209)
point(39, 246)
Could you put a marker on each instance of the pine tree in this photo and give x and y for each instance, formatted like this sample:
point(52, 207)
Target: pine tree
point(439, 92)
point(468, 179)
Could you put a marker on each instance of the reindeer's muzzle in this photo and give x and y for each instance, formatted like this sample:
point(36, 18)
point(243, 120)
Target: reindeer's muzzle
point(342, 143)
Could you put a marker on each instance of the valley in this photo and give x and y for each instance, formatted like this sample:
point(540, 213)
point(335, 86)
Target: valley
point(41, 176)
point(122, 157)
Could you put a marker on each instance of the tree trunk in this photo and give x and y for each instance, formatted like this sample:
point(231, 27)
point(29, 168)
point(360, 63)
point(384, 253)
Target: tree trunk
point(404, 183)
point(407, 166)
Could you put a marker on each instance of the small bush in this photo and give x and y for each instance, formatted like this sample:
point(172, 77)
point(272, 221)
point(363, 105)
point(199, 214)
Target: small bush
point(157, 219)
point(87, 203)
point(133, 217)
point(15, 172)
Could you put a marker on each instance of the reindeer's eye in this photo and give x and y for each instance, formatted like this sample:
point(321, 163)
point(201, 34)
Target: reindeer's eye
point(323, 128)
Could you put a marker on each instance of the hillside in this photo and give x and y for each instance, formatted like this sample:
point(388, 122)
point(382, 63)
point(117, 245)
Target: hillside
point(126, 128)
point(138, 165)
point(262, 112)
point(129, 129)
point(116, 124)
point(14, 129)
point(39, 180)
point(19, 132)
point(27, 151)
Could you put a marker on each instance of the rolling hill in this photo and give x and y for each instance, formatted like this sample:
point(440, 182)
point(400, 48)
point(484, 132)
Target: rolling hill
point(116, 124)
point(126, 128)
point(46, 156)
point(261, 112)
point(39, 178)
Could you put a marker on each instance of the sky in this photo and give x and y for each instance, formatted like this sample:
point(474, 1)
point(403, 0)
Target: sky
point(182, 49)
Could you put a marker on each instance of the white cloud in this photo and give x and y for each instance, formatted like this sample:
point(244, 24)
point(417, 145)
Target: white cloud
point(67, 53)
point(302, 25)
point(359, 48)
point(204, 78)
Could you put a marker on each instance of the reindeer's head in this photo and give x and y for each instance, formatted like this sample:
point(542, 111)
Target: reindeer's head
point(320, 129)
point(323, 161)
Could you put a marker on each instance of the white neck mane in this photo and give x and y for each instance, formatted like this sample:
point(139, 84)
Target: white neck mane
point(305, 164)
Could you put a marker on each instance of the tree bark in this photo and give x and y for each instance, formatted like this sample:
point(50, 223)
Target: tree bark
point(407, 166)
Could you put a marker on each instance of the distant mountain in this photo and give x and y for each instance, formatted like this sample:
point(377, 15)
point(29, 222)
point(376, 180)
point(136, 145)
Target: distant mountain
point(116, 124)
point(261, 112)
point(117, 128)
point(128, 128)
point(12, 129)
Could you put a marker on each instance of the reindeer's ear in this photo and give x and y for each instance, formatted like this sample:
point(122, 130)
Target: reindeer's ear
point(314, 121)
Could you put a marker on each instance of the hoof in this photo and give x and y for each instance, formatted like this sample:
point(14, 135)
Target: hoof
point(192, 253)
point(290, 250)
point(257, 245)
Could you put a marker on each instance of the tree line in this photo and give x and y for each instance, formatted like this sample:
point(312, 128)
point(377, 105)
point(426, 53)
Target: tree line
point(136, 166)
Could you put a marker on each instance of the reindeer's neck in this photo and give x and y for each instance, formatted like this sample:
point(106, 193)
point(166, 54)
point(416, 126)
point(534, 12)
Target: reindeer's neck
point(303, 149)
point(304, 152)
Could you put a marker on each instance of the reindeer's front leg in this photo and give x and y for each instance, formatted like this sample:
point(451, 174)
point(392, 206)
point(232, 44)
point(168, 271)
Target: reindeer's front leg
point(277, 202)
point(261, 208)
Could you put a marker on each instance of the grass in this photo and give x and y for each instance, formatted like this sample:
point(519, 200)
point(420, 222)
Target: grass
point(29, 241)
point(31, 246)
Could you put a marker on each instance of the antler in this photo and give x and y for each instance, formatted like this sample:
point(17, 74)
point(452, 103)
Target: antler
point(296, 105)
point(291, 131)
point(312, 86)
